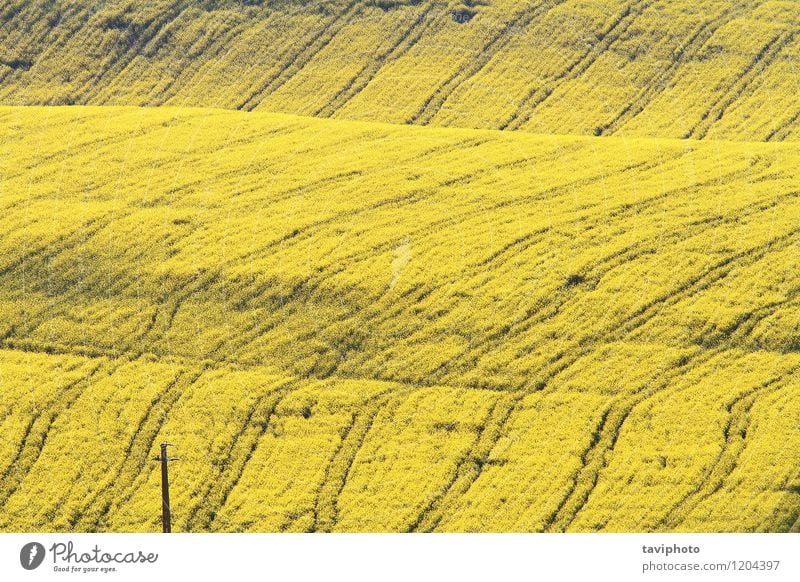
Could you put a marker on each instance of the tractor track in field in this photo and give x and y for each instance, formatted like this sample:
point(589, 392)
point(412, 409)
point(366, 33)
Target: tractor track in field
point(734, 435)
point(430, 521)
point(783, 131)
point(724, 266)
point(242, 173)
point(411, 197)
point(325, 513)
point(356, 84)
point(38, 44)
point(202, 280)
point(216, 490)
point(459, 217)
point(6, 32)
point(167, 309)
point(194, 67)
point(124, 60)
point(734, 441)
point(291, 235)
point(716, 272)
point(501, 39)
point(468, 468)
point(49, 251)
point(541, 195)
point(179, 83)
point(252, 298)
point(28, 435)
point(312, 284)
point(627, 210)
point(236, 346)
point(736, 334)
point(624, 210)
point(237, 472)
point(65, 244)
point(337, 180)
point(596, 456)
point(610, 35)
point(35, 438)
point(761, 61)
point(302, 57)
point(658, 83)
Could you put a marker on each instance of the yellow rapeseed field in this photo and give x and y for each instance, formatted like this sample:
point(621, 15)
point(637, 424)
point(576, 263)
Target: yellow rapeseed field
point(356, 326)
point(659, 68)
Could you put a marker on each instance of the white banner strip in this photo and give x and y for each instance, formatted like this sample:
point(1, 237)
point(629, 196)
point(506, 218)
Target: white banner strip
point(388, 557)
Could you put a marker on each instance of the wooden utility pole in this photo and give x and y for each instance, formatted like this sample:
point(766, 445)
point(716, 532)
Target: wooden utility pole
point(166, 515)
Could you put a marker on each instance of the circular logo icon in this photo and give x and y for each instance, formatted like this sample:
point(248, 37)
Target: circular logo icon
point(32, 555)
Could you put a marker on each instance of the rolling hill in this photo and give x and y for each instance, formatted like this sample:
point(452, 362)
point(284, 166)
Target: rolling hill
point(657, 68)
point(360, 326)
